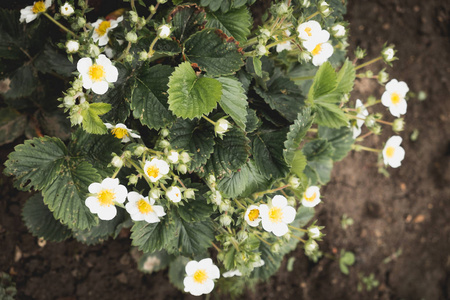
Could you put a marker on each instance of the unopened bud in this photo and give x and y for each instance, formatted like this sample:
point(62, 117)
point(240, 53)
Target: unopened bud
point(131, 37)
point(291, 201)
point(94, 51)
point(294, 182)
point(69, 101)
point(275, 248)
point(282, 9)
point(314, 232)
point(324, 9)
point(216, 198)
point(398, 125)
point(164, 132)
point(164, 144)
point(383, 77)
point(182, 168)
point(133, 179)
point(189, 194)
point(129, 57)
point(221, 126)
point(117, 162)
point(360, 53)
point(143, 55)
point(126, 154)
point(139, 150)
point(155, 193)
point(134, 16)
point(338, 30)
point(388, 54)
point(261, 50)
point(81, 22)
point(185, 157)
point(77, 84)
point(76, 119)
point(242, 235)
point(164, 31)
point(72, 46)
point(225, 220)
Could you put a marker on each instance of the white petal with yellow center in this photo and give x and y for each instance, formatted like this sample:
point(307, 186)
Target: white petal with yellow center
point(200, 276)
point(31, 12)
point(103, 197)
point(308, 30)
point(311, 197)
point(97, 75)
point(122, 132)
point(142, 208)
point(252, 216)
point(393, 153)
point(174, 194)
point(394, 97)
point(277, 216)
point(102, 29)
point(155, 169)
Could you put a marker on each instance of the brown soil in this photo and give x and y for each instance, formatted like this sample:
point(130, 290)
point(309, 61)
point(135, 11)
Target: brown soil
point(408, 211)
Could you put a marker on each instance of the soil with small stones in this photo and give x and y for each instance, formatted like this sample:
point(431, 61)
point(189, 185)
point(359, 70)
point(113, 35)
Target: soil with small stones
point(405, 214)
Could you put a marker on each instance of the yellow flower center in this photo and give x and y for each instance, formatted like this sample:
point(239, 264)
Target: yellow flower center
point(144, 207)
point(317, 49)
point(153, 171)
point(253, 214)
point(395, 98)
point(308, 31)
point(275, 215)
point(390, 151)
point(96, 72)
point(38, 7)
point(119, 133)
point(101, 30)
point(200, 276)
point(310, 199)
point(106, 197)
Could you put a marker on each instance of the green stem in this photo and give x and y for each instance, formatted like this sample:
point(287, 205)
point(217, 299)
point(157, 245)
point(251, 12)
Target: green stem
point(366, 148)
point(60, 25)
point(125, 53)
point(250, 42)
point(312, 16)
point(312, 130)
point(163, 187)
point(239, 203)
point(368, 63)
point(150, 50)
point(371, 104)
point(300, 239)
point(116, 172)
point(298, 229)
point(361, 138)
point(256, 195)
point(151, 15)
point(280, 42)
point(209, 120)
point(261, 239)
point(215, 246)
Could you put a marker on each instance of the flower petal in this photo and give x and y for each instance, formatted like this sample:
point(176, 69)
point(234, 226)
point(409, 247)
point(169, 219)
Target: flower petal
point(107, 213)
point(100, 87)
point(191, 267)
point(289, 214)
point(279, 201)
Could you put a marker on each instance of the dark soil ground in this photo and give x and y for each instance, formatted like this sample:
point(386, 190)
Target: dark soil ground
point(408, 212)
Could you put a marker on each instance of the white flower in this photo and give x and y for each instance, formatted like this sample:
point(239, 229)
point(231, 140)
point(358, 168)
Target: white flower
point(311, 197)
point(117, 162)
point(96, 76)
point(66, 10)
point(324, 8)
point(276, 217)
point(285, 45)
point(388, 54)
point(102, 28)
point(252, 216)
point(315, 41)
point(361, 116)
point(200, 276)
point(105, 194)
point(122, 132)
point(143, 209)
point(232, 273)
point(221, 126)
point(321, 52)
point(311, 30)
point(393, 153)
point(155, 169)
point(338, 30)
point(31, 12)
point(394, 97)
point(72, 46)
point(314, 232)
point(164, 31)
point(173, 157)
point(174, 194)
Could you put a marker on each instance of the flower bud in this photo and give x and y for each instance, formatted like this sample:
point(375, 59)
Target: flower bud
point(81, 22)
point(383, 77)
point(388, 54)
point(242, 235)
point(93, 50)
point(225, 220)
point(282, 9)
point(369, 73)
point(216, 198)
point(265, 33)
point(224, 206)
point(69, 101)
point(221, 126)
point(291, 201)
point(164, 144)
point(139, 150)
point(324, 9)
point(143, 55)
point(182, 168)
point(129, 57)
point(164, 132)
point(294, 182)
point(76, 119)
point(72, 46)
point(398, 125)
point(314, 232)
point(66, 10)
point(261, 50)
point(311, 246)
point(133, 179)
point(131, 37)
point(376, 129)
point(126, 154)
point(84, 105)
point(304, 56)
point(275, 248)
point(164, 31)
point(338, 30)
point(173, 157)
point(370, 121)
point(306, 3)
point(189, 194)
point(161, 1)
point(185, 157)
point(77, 84)
point(211, 179)
point(155, 193)
point(360, 53)
point(133, 16)
point(152, 9)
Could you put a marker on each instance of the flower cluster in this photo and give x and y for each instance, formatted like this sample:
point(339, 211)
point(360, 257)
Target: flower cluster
point(316, 41)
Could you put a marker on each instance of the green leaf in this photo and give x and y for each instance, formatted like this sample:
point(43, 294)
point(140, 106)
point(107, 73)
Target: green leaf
point(214, 52)
point(268, 153)
point(303, 216)
point(197, 209)
point(194, 238)
point(187, 20)
point(66, 195)
point(177, 271)
point(272, 262)
point(102, 231)
point(191, 96)
point(36, 163)
point(96, 149)
point(297, 132)
point(51, 60)
point(23, 83)
point(40, 221)
point(298, 163)
point(234, 101)
point(257, 65)
point(230, 153)
point(195, 139)
point(345, 78)
point(149, 96)
point(151, 237)
point(253, 122)
point(12, 125)
point(91, 120)
point(325, 81)
point(341, 139)
point(282, 95)
point(320, 164)
point(236, 22)
point(167, 47)
point(329, 115)
point(11, 35)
